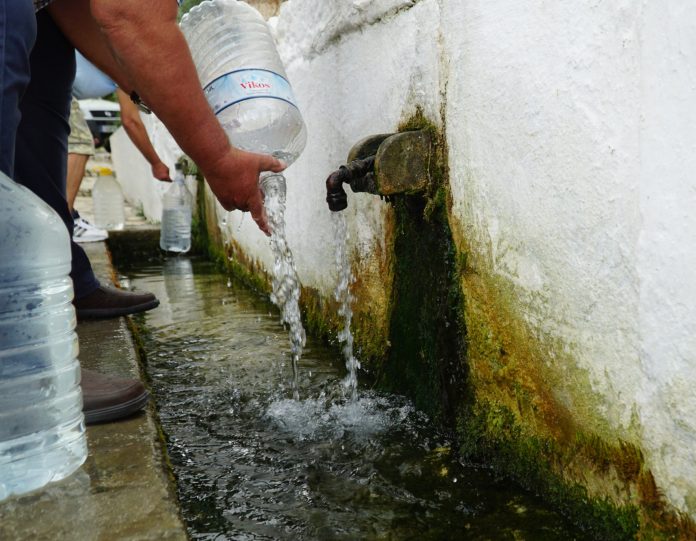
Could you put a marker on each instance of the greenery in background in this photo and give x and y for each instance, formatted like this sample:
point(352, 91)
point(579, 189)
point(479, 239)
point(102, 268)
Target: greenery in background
point(186, 5)
point(111, 97)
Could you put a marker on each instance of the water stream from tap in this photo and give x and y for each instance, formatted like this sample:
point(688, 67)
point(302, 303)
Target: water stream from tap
point(345, 299)
point(286, 285)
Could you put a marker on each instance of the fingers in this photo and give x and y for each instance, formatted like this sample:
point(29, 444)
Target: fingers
point(269, 163)
point(258, 213)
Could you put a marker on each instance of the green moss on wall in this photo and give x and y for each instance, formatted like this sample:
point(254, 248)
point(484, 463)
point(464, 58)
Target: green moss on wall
point(490, 433)
point(424, 359)
point(452, 342)
point(538, 422)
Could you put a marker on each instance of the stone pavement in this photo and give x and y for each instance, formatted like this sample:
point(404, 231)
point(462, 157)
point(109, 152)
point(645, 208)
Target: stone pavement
point(125, 489)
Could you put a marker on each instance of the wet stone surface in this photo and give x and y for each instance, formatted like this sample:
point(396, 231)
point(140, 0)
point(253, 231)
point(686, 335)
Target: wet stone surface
point(254, 464)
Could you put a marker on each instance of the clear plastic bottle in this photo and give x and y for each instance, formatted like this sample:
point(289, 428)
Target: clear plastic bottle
point(244, 79)
point(107, 198)
point(42, 434)
point(175, 232)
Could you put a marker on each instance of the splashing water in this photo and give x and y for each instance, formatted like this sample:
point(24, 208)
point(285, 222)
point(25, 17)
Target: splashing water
point(286, 285)
point(345, 299)
point(251, 463)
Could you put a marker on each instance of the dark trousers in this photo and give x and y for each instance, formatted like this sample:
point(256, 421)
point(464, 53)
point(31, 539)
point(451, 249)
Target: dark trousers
point(37, 72)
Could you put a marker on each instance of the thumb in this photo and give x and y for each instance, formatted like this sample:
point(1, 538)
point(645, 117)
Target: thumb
point(269, 163)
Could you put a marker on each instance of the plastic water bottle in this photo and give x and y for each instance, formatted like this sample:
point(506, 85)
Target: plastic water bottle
point(175, 232)
point(107, 198)
point(42, 434)
point(243, 78)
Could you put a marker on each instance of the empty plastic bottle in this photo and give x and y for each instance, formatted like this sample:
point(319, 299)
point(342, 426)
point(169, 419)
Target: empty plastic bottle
point(42, 435)
point(175, 232)
point(107, 198)
point(244, 79)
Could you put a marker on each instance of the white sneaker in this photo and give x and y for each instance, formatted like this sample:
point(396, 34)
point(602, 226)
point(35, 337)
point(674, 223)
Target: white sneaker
point(86, 232)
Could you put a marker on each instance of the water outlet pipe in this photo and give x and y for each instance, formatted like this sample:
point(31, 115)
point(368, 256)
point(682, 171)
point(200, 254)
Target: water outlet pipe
point(384, 165)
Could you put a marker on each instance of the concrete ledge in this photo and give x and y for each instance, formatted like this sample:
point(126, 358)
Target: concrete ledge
point(125, 489)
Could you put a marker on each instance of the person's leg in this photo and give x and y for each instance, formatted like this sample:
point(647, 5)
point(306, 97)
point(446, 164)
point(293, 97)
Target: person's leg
point(42, 136)
point(41, 163)
point(17, 36)
point(105, 398)
point(77, 163)
point(80, 148)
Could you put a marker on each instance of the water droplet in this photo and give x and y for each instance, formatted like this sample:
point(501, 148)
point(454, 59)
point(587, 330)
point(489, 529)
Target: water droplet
point(229, 282)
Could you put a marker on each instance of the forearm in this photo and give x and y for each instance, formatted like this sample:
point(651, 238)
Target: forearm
point(130, 119)
point(145, 38)
point(74, 19)
point(142, 42)
point(138, 135)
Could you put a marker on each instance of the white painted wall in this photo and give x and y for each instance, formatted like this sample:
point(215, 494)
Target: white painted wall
point(572, 136)
point(134, 173)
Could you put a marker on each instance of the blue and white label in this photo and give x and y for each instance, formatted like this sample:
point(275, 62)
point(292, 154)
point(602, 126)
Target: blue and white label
point(247, 84)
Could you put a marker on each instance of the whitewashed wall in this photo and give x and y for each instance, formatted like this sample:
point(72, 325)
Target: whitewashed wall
point(134, 173)
point(572, 136)
point(572, 132)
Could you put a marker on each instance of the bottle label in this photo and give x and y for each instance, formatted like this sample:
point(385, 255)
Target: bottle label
point(246, 84)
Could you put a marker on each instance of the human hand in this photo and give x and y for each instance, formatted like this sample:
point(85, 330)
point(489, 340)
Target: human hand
point(234, 179)
point(161, 172)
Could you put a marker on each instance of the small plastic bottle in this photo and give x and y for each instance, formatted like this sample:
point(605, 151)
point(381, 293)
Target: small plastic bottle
point(175, 232)
point(107, 198)
point(42, 433)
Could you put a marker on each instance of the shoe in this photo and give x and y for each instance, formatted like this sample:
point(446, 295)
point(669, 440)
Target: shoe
point(86, 232)
point(108, 398)
point(108, 302)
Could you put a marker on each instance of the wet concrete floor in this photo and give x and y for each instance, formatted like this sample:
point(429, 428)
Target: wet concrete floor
point(125, 489)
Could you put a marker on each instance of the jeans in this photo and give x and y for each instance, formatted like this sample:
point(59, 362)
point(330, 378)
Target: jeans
point(36, 76)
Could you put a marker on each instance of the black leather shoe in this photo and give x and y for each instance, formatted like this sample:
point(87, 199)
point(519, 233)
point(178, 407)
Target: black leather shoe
point(108, 398)
point(108, 302)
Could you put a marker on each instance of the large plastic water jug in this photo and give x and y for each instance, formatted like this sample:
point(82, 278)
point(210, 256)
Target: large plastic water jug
point(42, 435)
point(107, 198)
point(175, 232)
point(243, 78)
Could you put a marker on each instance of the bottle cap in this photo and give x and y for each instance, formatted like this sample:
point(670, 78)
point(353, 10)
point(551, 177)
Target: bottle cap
point(104, 171)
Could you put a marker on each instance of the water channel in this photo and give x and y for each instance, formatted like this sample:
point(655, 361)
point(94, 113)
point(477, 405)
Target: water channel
point(252, 463)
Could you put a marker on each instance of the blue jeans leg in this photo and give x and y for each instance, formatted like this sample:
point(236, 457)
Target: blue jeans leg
point(41, 151)
point(17, 36)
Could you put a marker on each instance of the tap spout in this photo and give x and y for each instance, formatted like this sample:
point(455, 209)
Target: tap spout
point(359, 174)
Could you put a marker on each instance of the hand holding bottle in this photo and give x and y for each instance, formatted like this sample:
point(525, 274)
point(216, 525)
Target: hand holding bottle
point(234, 180)
point(161, 172)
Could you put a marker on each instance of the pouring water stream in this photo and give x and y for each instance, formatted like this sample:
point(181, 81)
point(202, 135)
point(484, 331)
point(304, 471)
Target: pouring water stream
point(286, 285)
point(345, 299)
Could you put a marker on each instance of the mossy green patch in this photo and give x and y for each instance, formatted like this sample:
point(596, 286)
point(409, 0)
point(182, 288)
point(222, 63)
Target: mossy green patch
point(452, 341)
point(490, 433)
point(424, 359)
point(426, 331)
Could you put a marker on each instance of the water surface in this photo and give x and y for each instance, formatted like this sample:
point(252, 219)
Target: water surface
point(253, 464)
